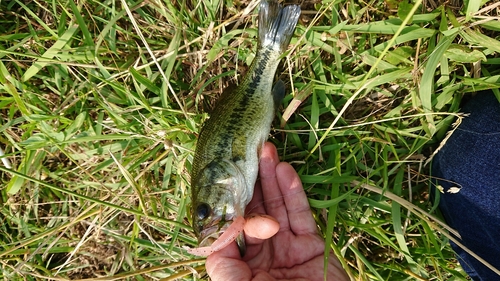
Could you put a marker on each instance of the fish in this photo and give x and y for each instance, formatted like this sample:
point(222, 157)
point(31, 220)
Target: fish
point(226, 160)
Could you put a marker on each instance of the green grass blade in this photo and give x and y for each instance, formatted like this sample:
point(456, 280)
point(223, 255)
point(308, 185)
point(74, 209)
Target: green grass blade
point(52, 52)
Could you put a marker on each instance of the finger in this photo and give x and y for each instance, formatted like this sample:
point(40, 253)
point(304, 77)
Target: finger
point(258, 229)
point(226, 264)
point(299, 211)
point(256, 205)
point(261, 226)
point(273, 199)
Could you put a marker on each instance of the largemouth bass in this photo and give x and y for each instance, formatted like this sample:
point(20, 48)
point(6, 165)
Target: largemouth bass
point(226, 161)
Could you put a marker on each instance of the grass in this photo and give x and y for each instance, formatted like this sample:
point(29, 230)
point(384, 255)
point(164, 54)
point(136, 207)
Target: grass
point(101, 103)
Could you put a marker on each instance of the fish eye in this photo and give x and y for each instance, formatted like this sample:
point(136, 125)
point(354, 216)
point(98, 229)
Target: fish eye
point(202, 211)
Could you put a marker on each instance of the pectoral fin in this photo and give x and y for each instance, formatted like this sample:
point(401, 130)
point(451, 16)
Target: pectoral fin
point(240, 241)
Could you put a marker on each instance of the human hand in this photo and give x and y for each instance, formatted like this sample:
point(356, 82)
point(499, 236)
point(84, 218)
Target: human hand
point(296, 251)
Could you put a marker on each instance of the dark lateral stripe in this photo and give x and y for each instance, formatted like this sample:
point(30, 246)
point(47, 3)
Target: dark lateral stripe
point(244, 111)
point(239, 112)
point(258, 71)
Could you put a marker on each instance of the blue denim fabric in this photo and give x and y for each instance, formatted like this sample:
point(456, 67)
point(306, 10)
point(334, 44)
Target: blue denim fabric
point(470, 159)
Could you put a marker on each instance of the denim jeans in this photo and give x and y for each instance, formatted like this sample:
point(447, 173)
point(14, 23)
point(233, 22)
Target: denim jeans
point(470, 160)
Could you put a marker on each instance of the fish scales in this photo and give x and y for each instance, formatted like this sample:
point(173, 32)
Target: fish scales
point(235, 115)
point(225, 165)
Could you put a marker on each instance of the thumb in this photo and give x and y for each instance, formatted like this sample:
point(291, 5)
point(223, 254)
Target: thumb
point(226, 264)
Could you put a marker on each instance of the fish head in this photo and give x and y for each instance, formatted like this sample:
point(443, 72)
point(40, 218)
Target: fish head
point(217, 200)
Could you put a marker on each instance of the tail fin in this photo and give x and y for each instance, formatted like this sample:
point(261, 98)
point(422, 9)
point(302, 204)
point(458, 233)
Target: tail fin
point(276, 24)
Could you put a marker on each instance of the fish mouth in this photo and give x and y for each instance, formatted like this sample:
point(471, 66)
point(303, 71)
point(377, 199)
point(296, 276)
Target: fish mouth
point(212, 233)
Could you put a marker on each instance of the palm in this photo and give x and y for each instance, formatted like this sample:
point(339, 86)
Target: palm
point(287, 255)
point(296, 251)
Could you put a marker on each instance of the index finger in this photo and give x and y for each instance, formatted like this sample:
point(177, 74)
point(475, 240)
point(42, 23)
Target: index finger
point(256, 205)
point(273, 199)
